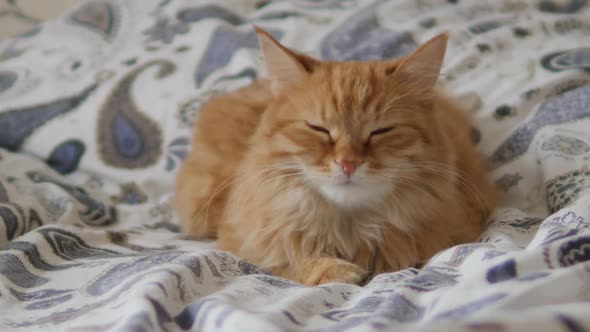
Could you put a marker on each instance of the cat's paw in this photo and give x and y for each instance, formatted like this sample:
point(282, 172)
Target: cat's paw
point(327, 269)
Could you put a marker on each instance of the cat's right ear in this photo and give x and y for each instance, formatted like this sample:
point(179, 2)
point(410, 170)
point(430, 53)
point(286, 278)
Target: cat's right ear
point(284, 66)
point(422, 67)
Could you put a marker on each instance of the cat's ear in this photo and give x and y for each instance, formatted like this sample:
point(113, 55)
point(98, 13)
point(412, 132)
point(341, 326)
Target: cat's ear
point(422, 67)
point(284, 66)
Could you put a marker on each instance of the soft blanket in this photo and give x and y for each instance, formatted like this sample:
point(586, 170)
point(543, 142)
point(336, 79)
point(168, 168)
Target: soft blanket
point(95, 115)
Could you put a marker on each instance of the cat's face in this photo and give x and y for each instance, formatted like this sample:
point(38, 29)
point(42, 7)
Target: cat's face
point(350, 134)
point(351, 130)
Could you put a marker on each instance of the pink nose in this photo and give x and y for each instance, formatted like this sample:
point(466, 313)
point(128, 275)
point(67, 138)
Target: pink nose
point(349, 166)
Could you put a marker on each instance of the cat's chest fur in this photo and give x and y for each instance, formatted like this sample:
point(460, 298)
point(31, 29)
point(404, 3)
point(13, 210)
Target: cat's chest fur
point(335, 230)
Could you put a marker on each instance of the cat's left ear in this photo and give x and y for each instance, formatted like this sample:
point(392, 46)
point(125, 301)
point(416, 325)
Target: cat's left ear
point(422, 67)
point(284, 66)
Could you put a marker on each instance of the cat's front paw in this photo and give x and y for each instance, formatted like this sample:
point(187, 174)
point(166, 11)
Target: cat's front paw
point(326, 269)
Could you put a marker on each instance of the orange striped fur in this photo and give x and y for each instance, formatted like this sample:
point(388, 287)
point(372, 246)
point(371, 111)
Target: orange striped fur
point(267, 175)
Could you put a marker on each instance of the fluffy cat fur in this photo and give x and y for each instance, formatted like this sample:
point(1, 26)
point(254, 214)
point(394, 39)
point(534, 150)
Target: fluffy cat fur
point(335, 171)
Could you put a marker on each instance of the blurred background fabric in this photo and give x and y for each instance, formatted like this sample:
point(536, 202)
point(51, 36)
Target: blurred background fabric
point(19, 16)
point(96, 110)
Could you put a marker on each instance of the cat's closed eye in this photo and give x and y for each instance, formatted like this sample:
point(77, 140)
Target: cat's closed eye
point(319, 129)
point(381, 131)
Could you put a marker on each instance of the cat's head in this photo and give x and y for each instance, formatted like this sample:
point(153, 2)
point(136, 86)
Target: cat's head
point(351, 129)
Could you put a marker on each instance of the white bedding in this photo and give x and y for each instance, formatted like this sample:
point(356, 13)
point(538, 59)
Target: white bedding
point(106, 95)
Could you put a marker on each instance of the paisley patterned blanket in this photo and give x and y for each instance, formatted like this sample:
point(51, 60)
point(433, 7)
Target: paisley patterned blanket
point(95, 115)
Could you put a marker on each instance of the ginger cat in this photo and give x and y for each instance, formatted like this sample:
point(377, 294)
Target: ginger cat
point(335, 171)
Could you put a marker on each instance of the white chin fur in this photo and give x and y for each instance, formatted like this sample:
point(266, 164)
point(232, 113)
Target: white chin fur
point(352, 196)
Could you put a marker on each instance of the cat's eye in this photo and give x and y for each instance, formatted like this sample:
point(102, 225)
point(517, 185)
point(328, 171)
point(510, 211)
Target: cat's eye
point(318, 128)
point(381, 131)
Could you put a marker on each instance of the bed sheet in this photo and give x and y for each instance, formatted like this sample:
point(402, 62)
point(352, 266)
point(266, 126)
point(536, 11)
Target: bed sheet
point(95, 115)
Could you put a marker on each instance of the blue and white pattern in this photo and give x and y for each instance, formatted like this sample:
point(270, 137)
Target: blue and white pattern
point(95, 115)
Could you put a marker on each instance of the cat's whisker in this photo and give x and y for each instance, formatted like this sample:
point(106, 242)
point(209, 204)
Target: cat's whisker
point(460, 176)
point(411, 181)
point(262, 176)
point(240, 198)
point(445, 173)
point(450, 174)
point(275, 170)
point(225, 184)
